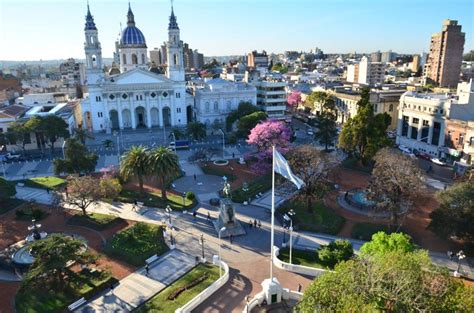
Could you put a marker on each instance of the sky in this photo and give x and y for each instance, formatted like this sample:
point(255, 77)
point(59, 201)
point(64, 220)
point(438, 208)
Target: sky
point(53, 29)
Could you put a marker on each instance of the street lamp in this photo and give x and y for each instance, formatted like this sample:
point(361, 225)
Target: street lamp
point(290, 219)
point(220, 262)
point(169, 210)
point(202, 247)
point(223, 144)
point(461, 256)
point(64, 144)
point(174, 140)
point(116, 133)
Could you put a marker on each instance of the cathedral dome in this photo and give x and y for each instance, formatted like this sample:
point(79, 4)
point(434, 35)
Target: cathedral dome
point(132, 36)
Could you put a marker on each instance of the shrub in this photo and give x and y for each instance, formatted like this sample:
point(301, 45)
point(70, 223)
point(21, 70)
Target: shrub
point(190, 196)
point(335, 252)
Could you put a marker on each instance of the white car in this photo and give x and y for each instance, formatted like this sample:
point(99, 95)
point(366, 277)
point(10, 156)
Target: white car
point(438, 162)
point(310, 132)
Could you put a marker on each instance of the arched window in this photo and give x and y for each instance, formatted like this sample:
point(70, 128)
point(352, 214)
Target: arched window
point(175, 59)
point(92, 40)
point(216, 106)
point(134, 59)
point(124, 57)
point(390, 108)
point(94, 61)
point(207, 106)
point(143, 58)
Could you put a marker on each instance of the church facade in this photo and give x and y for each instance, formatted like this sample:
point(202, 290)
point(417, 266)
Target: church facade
point(134, 96)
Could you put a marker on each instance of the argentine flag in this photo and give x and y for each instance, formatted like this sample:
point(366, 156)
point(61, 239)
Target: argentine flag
point(281, 166)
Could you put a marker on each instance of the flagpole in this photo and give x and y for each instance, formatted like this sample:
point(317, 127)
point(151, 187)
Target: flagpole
point(273, 213)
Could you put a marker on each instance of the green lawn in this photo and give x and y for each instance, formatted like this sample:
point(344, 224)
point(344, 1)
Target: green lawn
point(95, 221)
point(160, 302)
point(319, 219)
point(50, 182)
point(36, 299)
point(137, 243)
point(261, 184)
point(364, 231)
point(155, 200)
point(301, 257)
point(10, 204)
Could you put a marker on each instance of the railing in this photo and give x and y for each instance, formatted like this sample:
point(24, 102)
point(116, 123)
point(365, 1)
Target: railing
point(206, 293)
point(300, 269)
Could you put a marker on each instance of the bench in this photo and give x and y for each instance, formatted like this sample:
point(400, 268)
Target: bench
point(76, 304)
point(151, 259)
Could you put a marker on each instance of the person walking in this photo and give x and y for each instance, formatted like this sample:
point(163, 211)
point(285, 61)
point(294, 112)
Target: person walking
point(255, 223)
point(231, 238)
point(194, 214)
point(147, 269)
point(208, 216)
point(250, 224)
point(259, 224)
point(195, 177)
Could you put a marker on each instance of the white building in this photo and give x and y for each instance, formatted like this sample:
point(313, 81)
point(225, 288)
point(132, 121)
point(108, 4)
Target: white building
point(135, 97)
point(216, 98)
point(423, 117)
point(366, 72)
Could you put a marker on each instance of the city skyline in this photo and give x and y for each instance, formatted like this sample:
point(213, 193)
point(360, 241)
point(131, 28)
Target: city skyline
point(351, 25)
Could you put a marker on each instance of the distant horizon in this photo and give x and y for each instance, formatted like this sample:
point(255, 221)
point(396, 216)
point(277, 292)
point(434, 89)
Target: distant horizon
point(53, 29)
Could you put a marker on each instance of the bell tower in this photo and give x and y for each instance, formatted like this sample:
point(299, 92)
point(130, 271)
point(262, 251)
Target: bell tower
point(92, 50)
point(175, 67)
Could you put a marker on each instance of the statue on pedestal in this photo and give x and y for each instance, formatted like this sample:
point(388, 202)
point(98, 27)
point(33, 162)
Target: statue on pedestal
point(227, 218)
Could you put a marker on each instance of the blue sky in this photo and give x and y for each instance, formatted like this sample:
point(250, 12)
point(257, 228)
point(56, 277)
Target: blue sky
point(52, 29)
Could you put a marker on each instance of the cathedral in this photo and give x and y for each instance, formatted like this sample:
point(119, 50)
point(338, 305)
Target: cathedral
point(132, 95)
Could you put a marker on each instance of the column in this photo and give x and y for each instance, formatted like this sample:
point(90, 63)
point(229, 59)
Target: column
point(430, 132)
point(172, 108)
point(160, 112)
point(147, 111)
point(132, 113)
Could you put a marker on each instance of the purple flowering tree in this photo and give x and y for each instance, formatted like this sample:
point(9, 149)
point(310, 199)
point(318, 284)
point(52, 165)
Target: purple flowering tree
point(294, 99)
point(264, 136)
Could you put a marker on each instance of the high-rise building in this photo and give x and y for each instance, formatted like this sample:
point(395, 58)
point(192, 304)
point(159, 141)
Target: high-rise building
point(387, 57)
point(376, 56)
point(366, 72)
point(443, 66)
point(256, 59)
point(415, 63)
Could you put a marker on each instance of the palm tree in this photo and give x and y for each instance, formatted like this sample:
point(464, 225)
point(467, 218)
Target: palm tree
point(164, 164)
point(135, 163)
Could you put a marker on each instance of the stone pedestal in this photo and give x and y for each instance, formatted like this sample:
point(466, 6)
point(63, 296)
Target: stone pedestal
point(273, 290)
point(228, 220)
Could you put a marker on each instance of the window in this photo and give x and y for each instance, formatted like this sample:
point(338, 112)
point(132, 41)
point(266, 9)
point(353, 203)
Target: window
point(436, 133)
point(441, 111)
point(165, 94)
point(374, 107)
point(414, 132)
point(134, 59)
point(216, 106)
point(207, 106)
point(139, 97)
point(178, 95)
point(415, 121)
point(390, 108)
point(99, 114)
point(175, 58)
point(143, 58)
point(461, 139)
point(471, 141)
point(178, 110)
point(124, 58)
point(405, 126)
point(124, 96)
point(111, 97)
point(98, 98)
point(153, 94)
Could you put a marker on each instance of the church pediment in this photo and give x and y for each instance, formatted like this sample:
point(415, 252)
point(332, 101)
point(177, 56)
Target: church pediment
point(139, 76)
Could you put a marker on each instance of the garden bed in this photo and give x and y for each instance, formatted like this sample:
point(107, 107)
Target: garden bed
point(153, 199)
point(161, 302)
point(28, 213)
point(355, 164)
point(319, 219)
point(259, 185)
point(95, 221)
point(37, 299)
point(301, 257)
point(364, 231)
point(137, 243)
point(10, 204)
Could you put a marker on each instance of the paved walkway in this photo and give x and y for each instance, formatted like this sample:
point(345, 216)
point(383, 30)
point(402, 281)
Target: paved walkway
point(138, 287)
point(306, 240)
point(34, 194)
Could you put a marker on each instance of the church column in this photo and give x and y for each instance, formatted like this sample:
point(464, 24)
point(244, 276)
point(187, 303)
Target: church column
point(160, 112)
point(172, 107)
point(148, 111)
point(119, 111)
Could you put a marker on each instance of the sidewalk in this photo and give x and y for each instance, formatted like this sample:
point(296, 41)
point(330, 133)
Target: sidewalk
point(34, 194)
point(312, 241)
point(138, 287)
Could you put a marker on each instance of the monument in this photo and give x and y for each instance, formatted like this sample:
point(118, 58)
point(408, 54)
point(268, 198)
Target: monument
point(227, 217)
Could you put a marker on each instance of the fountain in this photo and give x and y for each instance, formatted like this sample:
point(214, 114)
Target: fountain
point(35, 234)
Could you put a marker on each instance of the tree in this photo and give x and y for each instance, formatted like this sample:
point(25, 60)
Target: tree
point(281, 68)
point(135, 162)
point(83, 191)
point(20, 132)
point(294, 100)
point(52, 256)
point(321, 101)
point(383, 243)
point(395, 182)
point(196, 130)
point(110, 187)
point(7, 189)
point(244, 108)
point(54, 127)
point(82, 135)
point(178, 134)
point(77, 159)
point(393, 282)
point(248, 122)
point(313, 167)
point(265, 135)
point(469, 57)
point(165, 165)
point(455, 214)
point(365, 133)
point(327, 129)
point(335, 252)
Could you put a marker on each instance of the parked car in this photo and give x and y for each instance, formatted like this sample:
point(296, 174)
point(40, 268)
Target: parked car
point(424, 156)
point(310, 132)
point(13, 155)
point(438, 162)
